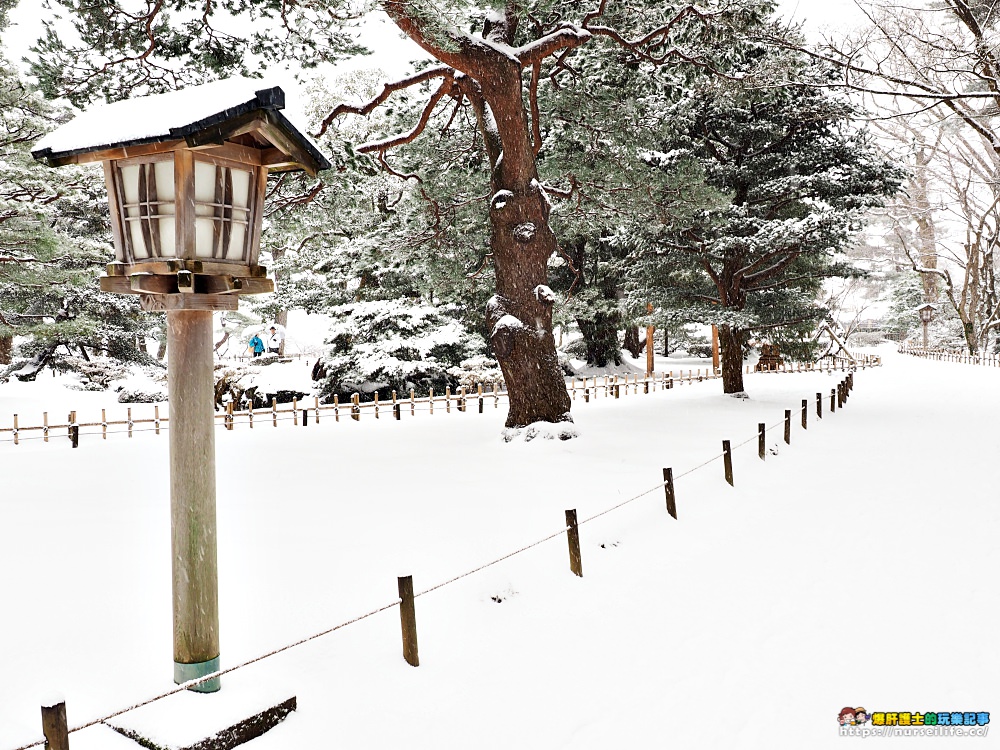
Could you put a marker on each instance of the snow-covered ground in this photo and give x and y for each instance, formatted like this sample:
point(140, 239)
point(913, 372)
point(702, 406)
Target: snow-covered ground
point(856, 567)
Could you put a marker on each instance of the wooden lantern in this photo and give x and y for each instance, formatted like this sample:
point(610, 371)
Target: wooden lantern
point(186, 183)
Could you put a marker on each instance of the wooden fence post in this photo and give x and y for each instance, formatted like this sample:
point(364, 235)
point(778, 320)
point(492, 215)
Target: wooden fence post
point(104, 424)
point(129, 412)
point(316, 405)
point(397, 411)
point(805, 414)
point(336, 408)
point(819, 405)
point(573, 538)
point(74, 435)
point(15, 430)
point(461, 399)
point(761, 440)
point(430, 399)
point(668, 488)
point(305, 416)
point(356, 407)
point(727, 462)
point(295, 411)
point(156, 418)
point(408, 620)
point(413, 404)
point(229, 416)
point(54, 726)
point(788, 426)
point(833, 400)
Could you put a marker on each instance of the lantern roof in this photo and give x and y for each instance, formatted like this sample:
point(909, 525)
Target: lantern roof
point(236, 109)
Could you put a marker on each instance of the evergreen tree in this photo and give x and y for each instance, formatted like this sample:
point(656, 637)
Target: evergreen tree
point(796, 178)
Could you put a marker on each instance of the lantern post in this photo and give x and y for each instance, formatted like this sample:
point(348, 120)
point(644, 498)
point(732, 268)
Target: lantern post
point(926, 316)
point(186, 174)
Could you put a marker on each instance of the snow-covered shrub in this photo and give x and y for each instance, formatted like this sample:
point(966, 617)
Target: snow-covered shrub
point(395, 345)
point(475, 370)
point(142, 394)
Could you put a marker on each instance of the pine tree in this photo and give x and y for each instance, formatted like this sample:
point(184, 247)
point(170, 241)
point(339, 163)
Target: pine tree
point(795, 178)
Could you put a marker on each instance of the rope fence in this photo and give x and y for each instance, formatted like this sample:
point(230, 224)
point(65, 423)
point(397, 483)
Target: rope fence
point(839, 395)
point(945, 355)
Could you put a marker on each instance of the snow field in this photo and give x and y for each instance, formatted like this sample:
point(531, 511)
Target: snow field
point(857, 566)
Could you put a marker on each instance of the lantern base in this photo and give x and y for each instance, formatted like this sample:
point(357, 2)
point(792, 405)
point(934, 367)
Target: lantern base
point(166, 302)
point(185, 672)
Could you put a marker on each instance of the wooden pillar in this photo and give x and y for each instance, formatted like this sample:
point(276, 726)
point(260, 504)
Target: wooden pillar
point(408, 620)
point(715, 348)
point(191, 383)
point(54, 726)
point(727, 462)
point(573, 539)
point(668, 488)
point(649, 343)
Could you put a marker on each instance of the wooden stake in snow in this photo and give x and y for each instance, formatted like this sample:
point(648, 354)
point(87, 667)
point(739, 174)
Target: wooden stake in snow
point(355, 407)
point(54, 726)
point(788, 426)
point(805, 414)
point(819, 405)
point(833, 400)
point(15, 429)
point(573, 538)
point(727, 462)
point(668, 488)
point(761, 440)
point(408, 620)
point(274, 411)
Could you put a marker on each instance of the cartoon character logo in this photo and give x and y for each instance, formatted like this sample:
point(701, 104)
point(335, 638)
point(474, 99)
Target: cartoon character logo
point(846, 716)
point(860, 716)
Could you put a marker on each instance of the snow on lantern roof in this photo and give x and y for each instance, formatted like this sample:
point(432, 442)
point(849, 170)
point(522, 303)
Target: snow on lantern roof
point(198, 115)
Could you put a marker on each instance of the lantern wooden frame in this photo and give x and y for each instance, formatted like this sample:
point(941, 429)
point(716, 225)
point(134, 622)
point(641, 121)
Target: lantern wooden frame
point(162, 248)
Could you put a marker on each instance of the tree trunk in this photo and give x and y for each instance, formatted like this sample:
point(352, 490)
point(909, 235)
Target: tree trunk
point(601, 337)
point(923, 215)
point(519, 316)
point(731, 352)
point(6, 350)
point(633, 343)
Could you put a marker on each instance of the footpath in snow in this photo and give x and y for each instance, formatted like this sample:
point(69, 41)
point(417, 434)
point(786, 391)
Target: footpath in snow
point(856, 567)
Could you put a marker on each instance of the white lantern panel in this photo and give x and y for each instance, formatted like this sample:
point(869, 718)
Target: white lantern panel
point(148, 210)
point(166, 208)
point(222, 210)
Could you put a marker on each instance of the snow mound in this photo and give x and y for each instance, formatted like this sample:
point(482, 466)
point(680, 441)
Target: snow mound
point(740, 394)
point(546, 430)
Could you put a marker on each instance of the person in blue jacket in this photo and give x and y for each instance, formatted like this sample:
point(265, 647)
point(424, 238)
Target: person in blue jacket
point(257, 345)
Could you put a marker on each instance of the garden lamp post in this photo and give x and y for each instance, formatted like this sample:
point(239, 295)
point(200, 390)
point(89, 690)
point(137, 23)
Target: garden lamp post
point(186, 174)
point(926, 316)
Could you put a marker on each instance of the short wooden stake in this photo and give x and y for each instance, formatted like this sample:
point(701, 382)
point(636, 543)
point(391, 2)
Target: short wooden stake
point(356, 407)
point(413, 404)
point(336, 408)
point(447, 399)
point(461, 399)
point(295, 412)
point(668, 488)
point(54, 727)
point(156, 418)
point(430, 400)
point(573, 537)
point(586, 395)
point(229, 416)
point(819, 405)
point(397, 411)
point(376, 404)
point(305, 417)
point(274, 411)
point(761, 440)
point(788, 426)
point(727, 461)
point(104, 424)
point(408, 620)
point(15, 430)
point(316, 406)
point(129, 412)
point(833, 399)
